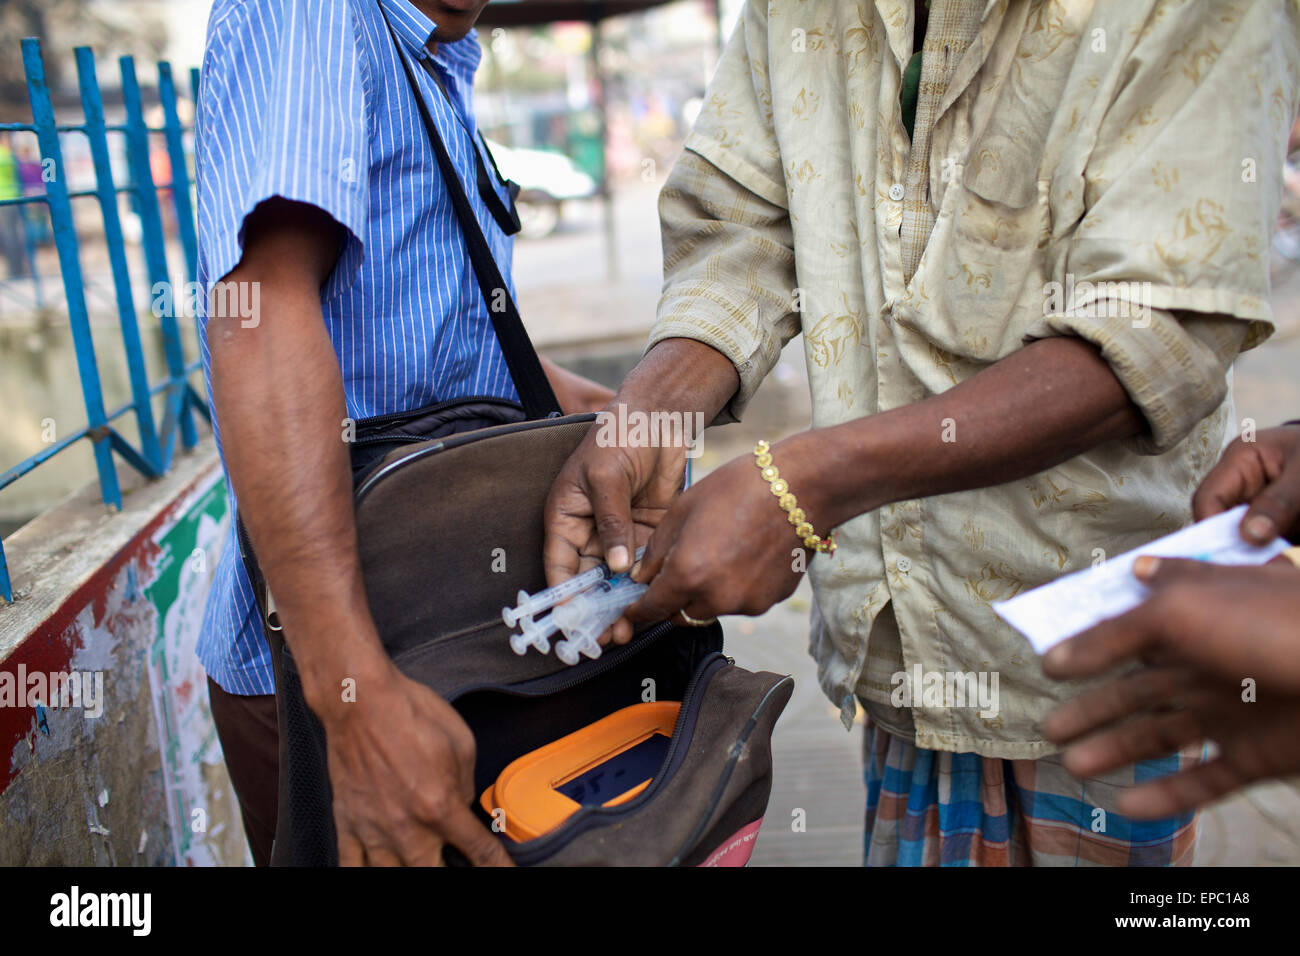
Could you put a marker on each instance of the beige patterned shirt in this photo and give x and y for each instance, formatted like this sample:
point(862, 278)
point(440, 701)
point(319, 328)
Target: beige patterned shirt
point(1108, 170)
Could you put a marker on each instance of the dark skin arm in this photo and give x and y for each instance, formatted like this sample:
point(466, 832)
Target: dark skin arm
point(725, 547)
point(400, 758)
point(1047, 403)
point(1042, 405)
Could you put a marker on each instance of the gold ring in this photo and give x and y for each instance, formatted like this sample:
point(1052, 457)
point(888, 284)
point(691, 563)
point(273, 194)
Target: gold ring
point(693, 622)
point(1292, 555)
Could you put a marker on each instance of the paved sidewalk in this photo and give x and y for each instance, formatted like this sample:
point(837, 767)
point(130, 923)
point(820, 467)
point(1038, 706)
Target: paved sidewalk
point(816, 811)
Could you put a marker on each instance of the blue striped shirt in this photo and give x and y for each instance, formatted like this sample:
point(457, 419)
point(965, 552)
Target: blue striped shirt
point(306, 100)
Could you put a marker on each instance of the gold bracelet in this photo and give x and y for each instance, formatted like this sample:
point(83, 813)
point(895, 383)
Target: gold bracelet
point(781, 489)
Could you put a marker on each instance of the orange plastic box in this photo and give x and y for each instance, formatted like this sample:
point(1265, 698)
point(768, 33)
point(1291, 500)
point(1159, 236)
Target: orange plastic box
point(603, 764)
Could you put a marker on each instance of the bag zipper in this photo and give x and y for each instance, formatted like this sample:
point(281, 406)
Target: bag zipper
point(688, 714)
point(562, 681)
point(389, 437)
point(541, 847)
point(436, 407)
point(737, 748)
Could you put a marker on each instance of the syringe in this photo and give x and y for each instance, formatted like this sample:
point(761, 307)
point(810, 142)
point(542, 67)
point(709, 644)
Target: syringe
point(528, 605)
point(590, 614)
point(534, 635)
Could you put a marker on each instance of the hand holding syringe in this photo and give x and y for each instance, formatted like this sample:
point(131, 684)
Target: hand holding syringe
point(596, 601)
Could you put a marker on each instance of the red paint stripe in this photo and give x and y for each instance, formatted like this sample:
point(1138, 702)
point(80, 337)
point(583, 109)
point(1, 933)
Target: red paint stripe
point(51, 646)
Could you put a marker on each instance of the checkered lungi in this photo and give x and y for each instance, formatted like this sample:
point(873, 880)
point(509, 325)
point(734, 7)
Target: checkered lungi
point(934, 808)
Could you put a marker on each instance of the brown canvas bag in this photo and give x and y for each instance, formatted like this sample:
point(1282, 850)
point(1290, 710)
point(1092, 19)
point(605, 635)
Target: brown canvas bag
point(428, 519)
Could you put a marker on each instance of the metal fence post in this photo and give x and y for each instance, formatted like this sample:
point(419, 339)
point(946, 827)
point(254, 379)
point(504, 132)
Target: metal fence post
point(65, 241)
point(179, 396)
point(180, 169)
point(96, 132)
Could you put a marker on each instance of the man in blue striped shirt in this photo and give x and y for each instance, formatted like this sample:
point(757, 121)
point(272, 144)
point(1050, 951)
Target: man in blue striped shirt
point(318, 188)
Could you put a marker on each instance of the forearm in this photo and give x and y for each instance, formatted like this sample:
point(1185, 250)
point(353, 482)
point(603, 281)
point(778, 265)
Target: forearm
point(1050, 401)
point(681, 375)
point(729, 275)
point(278, 394)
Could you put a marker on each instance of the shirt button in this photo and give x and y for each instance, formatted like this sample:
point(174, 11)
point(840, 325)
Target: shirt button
point(896, 192)
point(903, 565)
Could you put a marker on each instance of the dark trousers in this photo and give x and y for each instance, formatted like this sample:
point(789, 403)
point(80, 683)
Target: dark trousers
point(250, 738)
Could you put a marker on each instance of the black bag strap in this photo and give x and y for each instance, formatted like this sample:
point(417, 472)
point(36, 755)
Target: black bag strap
point(535, 392)
point(507, 216)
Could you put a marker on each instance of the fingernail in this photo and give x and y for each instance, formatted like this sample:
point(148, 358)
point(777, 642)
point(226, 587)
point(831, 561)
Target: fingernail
point(1145, 567)
point(617, 558)
point(1260, 529)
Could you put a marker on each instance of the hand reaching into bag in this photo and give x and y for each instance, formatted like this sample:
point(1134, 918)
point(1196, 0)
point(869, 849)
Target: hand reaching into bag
point(401, 761)
point(725, 546)
point(604, 505)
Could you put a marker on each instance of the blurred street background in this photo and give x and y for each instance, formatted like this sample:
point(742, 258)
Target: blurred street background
point(588, 275)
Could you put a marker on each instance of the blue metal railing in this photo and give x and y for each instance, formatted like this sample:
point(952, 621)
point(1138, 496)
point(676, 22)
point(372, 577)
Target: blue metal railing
point(157, 441)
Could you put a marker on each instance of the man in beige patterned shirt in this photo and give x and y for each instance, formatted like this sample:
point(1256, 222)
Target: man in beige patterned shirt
point(1019, 307)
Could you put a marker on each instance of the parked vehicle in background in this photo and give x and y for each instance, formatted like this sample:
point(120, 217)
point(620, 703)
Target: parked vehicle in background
point(547, 180)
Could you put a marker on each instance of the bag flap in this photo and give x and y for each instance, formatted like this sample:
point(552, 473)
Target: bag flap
point(449, 531)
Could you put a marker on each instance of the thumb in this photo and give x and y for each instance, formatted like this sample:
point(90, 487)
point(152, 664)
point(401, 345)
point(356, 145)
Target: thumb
point(611, 504)
point(463, 831)
point(1273, 510)
point(1158, 573)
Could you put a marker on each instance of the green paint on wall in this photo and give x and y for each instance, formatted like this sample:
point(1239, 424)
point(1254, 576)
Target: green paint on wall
point(178, 553)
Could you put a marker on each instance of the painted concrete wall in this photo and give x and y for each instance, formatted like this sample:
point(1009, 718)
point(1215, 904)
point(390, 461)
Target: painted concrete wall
point(118, 763)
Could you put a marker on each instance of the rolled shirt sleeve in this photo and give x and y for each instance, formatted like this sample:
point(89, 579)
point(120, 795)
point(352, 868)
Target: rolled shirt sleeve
point(729, 277)
point(1170, 262)
point(284, 112)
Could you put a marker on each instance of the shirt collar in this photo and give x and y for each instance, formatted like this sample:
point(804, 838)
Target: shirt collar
point(415, 30)
point(898, 25)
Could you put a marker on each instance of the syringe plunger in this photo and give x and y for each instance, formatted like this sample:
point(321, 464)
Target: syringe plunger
point(534, 634)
